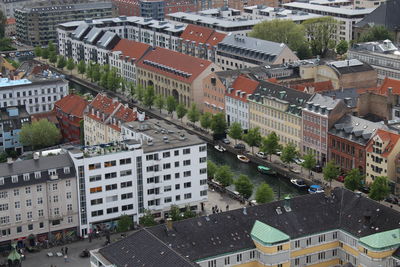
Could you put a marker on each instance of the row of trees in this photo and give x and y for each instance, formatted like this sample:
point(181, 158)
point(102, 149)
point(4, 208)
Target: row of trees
point(243, 185)
point(175, 214)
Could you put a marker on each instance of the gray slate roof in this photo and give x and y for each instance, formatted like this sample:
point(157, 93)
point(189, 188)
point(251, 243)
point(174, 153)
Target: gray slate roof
point(355, 129)
point(324, 101)
point(387, 14)
point(350, 94)
point(229, 232)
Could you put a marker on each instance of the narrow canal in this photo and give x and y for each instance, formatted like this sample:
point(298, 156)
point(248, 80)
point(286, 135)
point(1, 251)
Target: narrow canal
point(278, 184)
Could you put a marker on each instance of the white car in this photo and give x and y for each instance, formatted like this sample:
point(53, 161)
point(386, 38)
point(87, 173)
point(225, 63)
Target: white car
point(261, 155)
point(298, 161)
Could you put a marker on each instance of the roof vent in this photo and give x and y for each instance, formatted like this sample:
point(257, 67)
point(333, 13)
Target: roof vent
point(279, 210)
point(9, 161)
point(166, 140)
point(244, 211)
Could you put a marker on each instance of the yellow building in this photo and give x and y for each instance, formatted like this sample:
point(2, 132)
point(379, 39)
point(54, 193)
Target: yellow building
point(382, 151)
point(103, 118)
point(276, 108)
point(312, 230)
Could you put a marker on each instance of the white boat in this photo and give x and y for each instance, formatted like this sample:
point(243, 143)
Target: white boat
point(243, 158)
point(295, 170)
point(298, 183)
point(220, 148)
point(315, 189)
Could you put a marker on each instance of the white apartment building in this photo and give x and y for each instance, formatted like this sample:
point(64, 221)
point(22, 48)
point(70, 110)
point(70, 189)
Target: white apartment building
point(37, 197)
point(346, 16)
point(38, 95)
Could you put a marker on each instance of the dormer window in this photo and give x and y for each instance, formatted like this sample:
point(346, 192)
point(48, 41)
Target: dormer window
point(66, 170)
point(38, 175)
point(26, 176)
point(14, 179)
point(52, 172)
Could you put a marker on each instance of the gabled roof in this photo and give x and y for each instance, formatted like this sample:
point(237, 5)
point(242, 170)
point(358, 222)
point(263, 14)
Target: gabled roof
point(382, 240)
point(389, 82)
point(72, 104)
point(125, 114)
point(173, 64)
point(203, 35)
point(387, 14)
point(389, 138)
point(267, 235)
point(104, 104)
point(133, 50)
point(317, 86)
point(242, 84)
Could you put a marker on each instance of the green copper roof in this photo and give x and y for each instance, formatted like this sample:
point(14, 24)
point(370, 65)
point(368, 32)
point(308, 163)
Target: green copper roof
point(382, 240)
point(14, 255)
point(266, 234)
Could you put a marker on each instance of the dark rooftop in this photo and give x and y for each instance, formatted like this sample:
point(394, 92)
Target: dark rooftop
point(387, 14)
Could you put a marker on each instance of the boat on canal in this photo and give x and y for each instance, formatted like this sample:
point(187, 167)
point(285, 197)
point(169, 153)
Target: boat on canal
point(265, 170)
point(314, 189)
point(220, 148)
point(243, 158)
point(299, 183)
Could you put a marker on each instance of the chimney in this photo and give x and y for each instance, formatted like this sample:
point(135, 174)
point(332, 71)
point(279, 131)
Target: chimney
point(9, 161)
point(169, 224)
point(390, 91)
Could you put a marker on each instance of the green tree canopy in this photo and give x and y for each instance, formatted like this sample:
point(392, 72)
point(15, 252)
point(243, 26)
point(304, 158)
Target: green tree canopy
point(270, 144)
point(188, 213)
point(148, 98)
point(45, 53)
point(61, 62)
point(218, 123)
point(205, 120)
point(181, 111)
point(147, 219)
point(52, 57)
point(253, 138)
point(124, 223)
point(289, 153)
point(309, 161)
point(171, 105)
point(52, 47)
point(379, 188)
point(139, 92)
point(280, 31)
point(330, 171)
point(38, 51)
point(342, 47)
point(39, 134)
point(264, 194)
point(235, 131)
point(321, 33)
point(193, 113)
point(224, 175)
point(244, 186)
point(3, 19)
point(376, 33)
point(211, 169)
point(353, 180)
point(70, 64)
point(103, 79)
point(159, 101)
point(113, 80)
point(97, 74)
point(175, 213)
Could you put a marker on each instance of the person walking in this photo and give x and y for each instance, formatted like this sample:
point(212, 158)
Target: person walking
point(62, 250)
point(66, 250)
point(65, 258)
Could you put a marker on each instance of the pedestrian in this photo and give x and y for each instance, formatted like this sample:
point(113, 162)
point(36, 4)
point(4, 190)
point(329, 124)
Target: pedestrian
point(65, 258)
point(227, 207)
point(62, 250)
point(66, 250)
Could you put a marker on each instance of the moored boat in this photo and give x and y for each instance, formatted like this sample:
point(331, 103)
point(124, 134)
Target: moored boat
point(314, 189)
point(298, 183)
point(265, 170)
point(243, 158)
point(220, 148)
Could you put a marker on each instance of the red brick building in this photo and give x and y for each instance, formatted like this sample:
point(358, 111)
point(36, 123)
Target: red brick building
point(69, 111)
point(347, 142)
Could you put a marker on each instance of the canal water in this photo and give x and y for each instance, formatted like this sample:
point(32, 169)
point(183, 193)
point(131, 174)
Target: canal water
point(277, 183)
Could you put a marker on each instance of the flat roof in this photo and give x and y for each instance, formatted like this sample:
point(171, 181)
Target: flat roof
point(329, 9)
point(4, 82)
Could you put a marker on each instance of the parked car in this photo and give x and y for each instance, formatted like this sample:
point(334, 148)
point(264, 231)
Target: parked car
point(240, 146)
point(226, 141)
point(278, 152)
point(340, 178)
point(317, 168)
point(392, 199)
point(261, 155)
point(298, 161)
point(364, 189)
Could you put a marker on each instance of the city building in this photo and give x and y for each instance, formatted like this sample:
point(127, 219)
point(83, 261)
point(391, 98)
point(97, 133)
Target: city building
point(10, 28)
point(183, 78)
point(382, 152)
point(38, 197)
point(236, 101)
point(37, 22)
point(152, 9)
point(319, 115)
point(37, 94)
point(347, 142)
point(274, 12)
point(9, 6)
point(199, 42)
point(368, 3)
point(383, 56)
point(342, 228)
point(213, 94)
point(154, 167)
point(386, 14)
point(69, 111)
point(11, 121)
point(275, 108)
point(103, 118)
point(124, 57)
point(346, 16)
point(237, 52)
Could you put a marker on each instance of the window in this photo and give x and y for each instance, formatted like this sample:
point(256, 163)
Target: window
point(38, 175)
point(127, 207)
point(186, 151)
point(167, 177)
point(155, 179)
point(177, 175)
point(17, 204)
point(186, 174)
point(54, 186)
point(176, 153)
point(97, 201)
point(110, 175)
point(308, 241)
point(252, 254)
point(28, 202)
point(69, 195)
point(97, 213)
point(94, 178)
point(27, 190)
point(4, 220)
point(66, 170)
point(177, 197)
point(212, 263)
point(125, 161)
point(16, 192)
point(96, 189)
point(203, 182)
point(334, 253)
point(26, 176)
point(56, 211)
point(40, 200)
point(55, 199)
point(203, 193)
point(166, 154)
point(41, 225)
point(14, 179)
point(238, 257)
point(3, 207)
point(126, 184)
point(70, 220)
point(125, 173)
point(167, 166)
point(365, 251)
point(30, 227)
point(321, 255)
point(297, 262)
point(334, 235)
point(202, 148)
point(279, 248)
point(168, 200)
point(203, 159)
point(167, 188)
point(308, 259)
point(40, 213)
point(297, 243)
point(111, 163)
point(227, 261)
point(69, 207)
point(111, 187)
point(321, 238)
point(112, 210)
point(187, 185)
point(126, 196)
point(39, 188)
point(176, 164)
point(19, 229)
point(188, 195)
point(94, 166)
point(4, 194)
point(29, 215)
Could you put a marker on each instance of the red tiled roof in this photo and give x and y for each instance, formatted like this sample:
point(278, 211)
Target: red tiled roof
point(50, 116)
point(388, 82)
point(10, 21)
point(125, 114)
point(174, 60)
point(202, 35)
point(388, 137)
point(243, 84)
point(104, 104)
point(131, 49)
point(318, 86)
point(72, 105)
